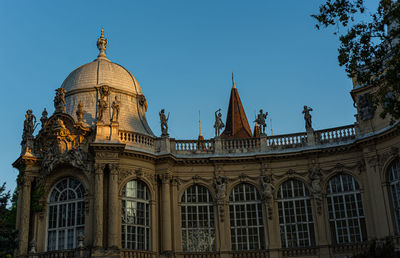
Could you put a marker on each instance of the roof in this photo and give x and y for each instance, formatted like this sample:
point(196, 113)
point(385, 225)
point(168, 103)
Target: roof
point(236, 125)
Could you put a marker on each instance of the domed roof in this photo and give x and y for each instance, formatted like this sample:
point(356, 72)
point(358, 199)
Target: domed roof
point(101, 72)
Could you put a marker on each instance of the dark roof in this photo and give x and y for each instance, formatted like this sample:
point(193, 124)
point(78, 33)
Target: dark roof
point(236, 125)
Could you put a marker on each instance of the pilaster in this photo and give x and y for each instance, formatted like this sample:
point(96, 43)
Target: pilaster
point(113, 209)
point(166, 213)
point(98, 205)
point(25, 214)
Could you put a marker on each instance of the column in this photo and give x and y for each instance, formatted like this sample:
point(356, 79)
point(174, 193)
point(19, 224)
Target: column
point(24, 215)
point(166, 213)
point(113, 208)
point(98, 206)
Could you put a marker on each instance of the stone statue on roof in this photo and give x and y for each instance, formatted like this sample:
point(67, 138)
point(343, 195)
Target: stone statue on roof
point(164, 122)
point(307, 117)
point(59, 100)
point(29, 125)
point(218, 125)
point(260, 120)
point(102, 102)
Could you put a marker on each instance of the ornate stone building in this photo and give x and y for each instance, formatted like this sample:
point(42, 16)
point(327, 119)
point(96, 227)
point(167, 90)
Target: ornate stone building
point(96, 182)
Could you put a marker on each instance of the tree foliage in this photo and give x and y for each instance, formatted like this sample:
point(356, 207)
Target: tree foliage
point(369, 46)
point(8, 234)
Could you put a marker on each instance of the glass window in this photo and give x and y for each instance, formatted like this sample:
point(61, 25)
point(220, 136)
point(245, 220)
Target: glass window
point(135, 232)
point(66, 214)
point(198, 227)
point(394, 182)
point(295, 215)
point(246, 218)
point(345, 210)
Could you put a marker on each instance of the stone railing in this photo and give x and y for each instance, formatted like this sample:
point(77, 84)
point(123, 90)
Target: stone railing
point(54, 254)
point(350, 248)
point(194, 146)
point(289, 252)
point(240, 145)
point(197, 255)
point(137, 254)
point(337, 134)
point(249, 254)
point(260, 144)
point(136, 140)
point(287, 140)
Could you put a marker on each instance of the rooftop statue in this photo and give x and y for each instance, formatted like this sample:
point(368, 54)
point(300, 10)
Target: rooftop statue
point(115, 109)
point(260, 120)
point(80, 112)
point(29, 125)
point(44, 118)
point(307, 117)
point(59, 100)
point(164, 122)
point(102, 102)
point(218, 125)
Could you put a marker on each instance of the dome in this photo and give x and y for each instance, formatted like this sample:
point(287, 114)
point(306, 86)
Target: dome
point(84, 83)
point(101, 72)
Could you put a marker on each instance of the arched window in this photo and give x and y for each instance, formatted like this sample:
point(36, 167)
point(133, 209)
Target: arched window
point(394, 181)
point(66, 214)
point(198, 227)
point(295, 215)
point(246, 218)
point(135, 232)
point(346, 215)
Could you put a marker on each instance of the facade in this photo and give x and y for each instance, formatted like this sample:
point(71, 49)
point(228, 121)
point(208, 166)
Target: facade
point(96, 182)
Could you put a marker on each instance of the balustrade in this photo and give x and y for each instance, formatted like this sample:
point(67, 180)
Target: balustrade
point(240, 144)
point(337, 134)
point(54, 254)
point(136, 139)
point(193, 145)
point(287, 252)
point(287, 140)
point(137, 254)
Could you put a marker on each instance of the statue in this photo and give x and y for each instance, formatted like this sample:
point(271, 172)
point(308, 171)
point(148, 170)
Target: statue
point(115, 110)
point(315, 177)
point(80, 112)
point(307, 117)
point(44, 118)
point(164, 123)
point(220, 187)
point(59, 100)
point(218, 125)
point(102, 102)
point(261, 120)
point(268, 193)
point(29, 125)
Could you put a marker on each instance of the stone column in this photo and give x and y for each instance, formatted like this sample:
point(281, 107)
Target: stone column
point(113, 208)
point(98, 206)
point(166, 213)
point(24, 215)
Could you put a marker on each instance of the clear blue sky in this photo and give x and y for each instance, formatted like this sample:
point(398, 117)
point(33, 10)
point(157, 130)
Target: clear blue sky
point(182, 53)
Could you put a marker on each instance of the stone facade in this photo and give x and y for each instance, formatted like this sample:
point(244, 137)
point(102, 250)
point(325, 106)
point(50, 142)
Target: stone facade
point(98, 165)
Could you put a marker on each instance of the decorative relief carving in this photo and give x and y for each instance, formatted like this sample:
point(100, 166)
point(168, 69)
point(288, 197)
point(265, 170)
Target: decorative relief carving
point(365, 107)
point(393, 152)
point(315, 177)
point(106, 155)
point(59, 100)
point(220, 189)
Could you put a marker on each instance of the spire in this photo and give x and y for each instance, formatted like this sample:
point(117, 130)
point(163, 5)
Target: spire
point(236, 125)
point(200, 125)
point(233, 81)
point(102, 46)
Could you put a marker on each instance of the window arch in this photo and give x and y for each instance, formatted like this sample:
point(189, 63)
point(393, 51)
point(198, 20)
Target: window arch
point(346, 214)
point(135, 216)
point(246, 218)
point(198, 225)
point(66, 214)
point(295, 215)
point(394, 182)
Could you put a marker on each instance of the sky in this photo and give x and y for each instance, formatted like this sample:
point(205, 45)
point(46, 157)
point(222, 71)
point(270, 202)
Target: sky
point(183, 54)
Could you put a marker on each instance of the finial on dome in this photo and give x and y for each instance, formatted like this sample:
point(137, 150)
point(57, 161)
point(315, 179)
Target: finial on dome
point(233, 81)
point(102, 45)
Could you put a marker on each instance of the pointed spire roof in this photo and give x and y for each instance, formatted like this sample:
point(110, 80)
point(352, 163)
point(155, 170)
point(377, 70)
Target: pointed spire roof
point(236, 125)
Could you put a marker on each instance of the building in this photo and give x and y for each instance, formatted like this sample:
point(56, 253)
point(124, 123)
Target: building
point(96, 182)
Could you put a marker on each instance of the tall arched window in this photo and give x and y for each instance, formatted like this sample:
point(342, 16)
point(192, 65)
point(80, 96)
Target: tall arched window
point(394, 181)
point(295, 215)
point(346, 215)
point(246, 218)
point(198, 227)
point(66, 214)
point(135, 233)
